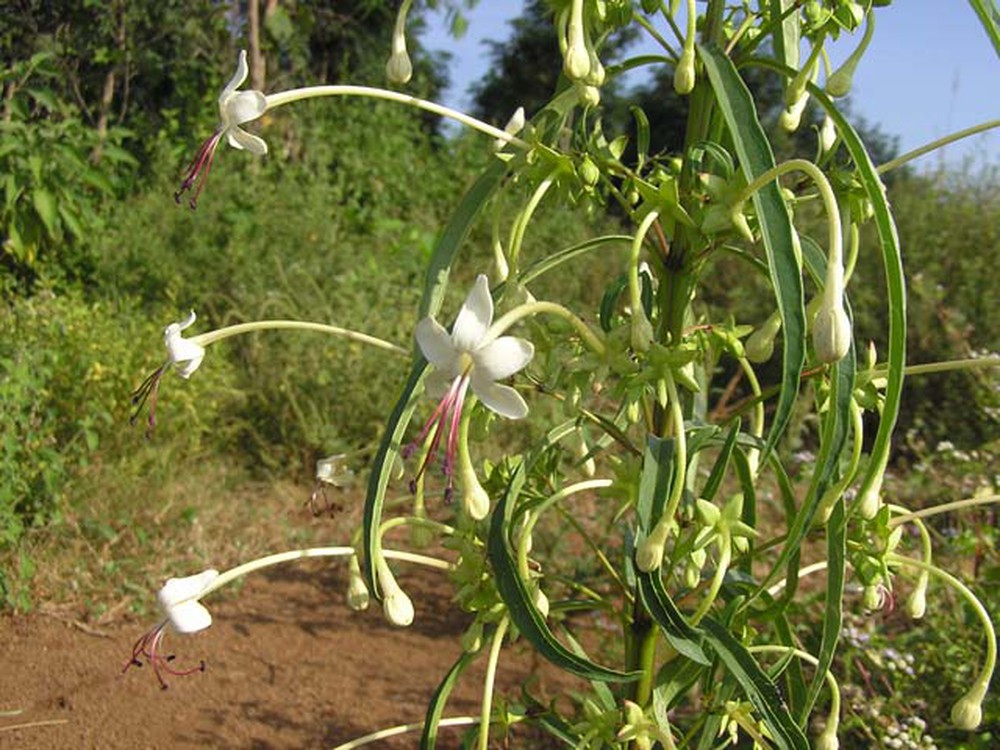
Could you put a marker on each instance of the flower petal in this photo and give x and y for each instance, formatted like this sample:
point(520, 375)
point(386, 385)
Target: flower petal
point(183, 351)
point(435, 343)
point(242, 140)
point(242, 71)
point(502, 357)
point(475, 316)
point(502, 399)
point(243, 106)
point(438, 383)
point(189, 617)
point(178, 590)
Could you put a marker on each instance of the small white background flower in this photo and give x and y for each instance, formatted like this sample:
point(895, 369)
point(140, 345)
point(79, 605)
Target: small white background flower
point(185, 353)
point(238, 107)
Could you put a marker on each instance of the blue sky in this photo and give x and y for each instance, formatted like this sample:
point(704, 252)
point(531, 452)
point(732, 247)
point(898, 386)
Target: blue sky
point(930, 70)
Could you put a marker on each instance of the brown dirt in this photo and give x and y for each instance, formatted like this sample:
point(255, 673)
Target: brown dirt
point(288, 666)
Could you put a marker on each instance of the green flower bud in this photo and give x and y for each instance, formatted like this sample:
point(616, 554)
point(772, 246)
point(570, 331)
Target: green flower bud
point(967, 713)
point(472, 638)
point(791, 116)
point(588, 96)
point(839, 82)
point(760, 346)
point(916, 604)
point(589, 173)
point(873, 598)
point(832, 327)
point(541, 602)
point(827, 135)
point(684, 75)
point(514, 126)
point(398, 68)
point(357, 591)
point(827, 740)
point(396, 605)
point(708, 513)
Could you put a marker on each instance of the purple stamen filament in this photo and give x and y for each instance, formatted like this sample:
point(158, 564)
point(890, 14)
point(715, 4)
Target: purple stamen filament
point(446, 417)
point(148, 648)
point(149, 391)
point(197, 171)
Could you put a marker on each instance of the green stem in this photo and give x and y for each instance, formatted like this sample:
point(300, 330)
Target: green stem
point(219, 334)
point(934, 145)
point(488, 682)
point(757, 416)
point(831, 681)
point(523, 219)
point(590, 338)
point(634, 287)
point(382, 734)
point(945, 508)
point(312, 92)
point(973, 601)
point(725, 555)
point(647, 665)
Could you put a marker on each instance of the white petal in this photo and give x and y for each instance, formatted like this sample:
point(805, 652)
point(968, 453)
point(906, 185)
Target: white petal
point(502, 399)
point(475, 316)
point(435, 343)
point(189, 617)
point(242, 71)
point(242, 107)
point(187, 368)
point(438, 382)
point(503, 357)
point(183, 351)
point(188, 321)
point(244, 141)
point(176, 590)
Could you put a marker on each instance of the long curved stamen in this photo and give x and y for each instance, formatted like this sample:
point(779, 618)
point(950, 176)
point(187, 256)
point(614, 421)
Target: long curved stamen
point(446, 417)
point(148, 648)
point(149, 391)
point(197, 171)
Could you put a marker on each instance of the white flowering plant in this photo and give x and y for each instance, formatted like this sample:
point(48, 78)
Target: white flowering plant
point(661, 481)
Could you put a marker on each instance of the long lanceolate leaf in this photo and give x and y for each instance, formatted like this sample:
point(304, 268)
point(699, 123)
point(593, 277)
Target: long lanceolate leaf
point(756, 157)
point(757, 686)
point(680, 634)
point(434, 289)
point(523, 613)
point(989, 16)
point(428, 739)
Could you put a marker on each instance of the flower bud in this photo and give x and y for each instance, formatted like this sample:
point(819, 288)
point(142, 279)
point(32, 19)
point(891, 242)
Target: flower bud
point(827, 134)
point(684, 75)
point(396, 605)
point(514, 126)
point(832, 327)
point(472, 639)
point(760, 346)
point(357, 591)
point(870, 502)
point(541, 602)
point(791, 116)
point(916, 604)
point(967, 713)
point(398, 68)
point(475, 499)
point(827, 739)
point(588, 96)
point(839, 82)
point(649, 555)
point(873, 597)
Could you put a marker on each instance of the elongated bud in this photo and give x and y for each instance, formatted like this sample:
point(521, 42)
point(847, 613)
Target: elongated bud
point(514, 126)
point(649, 554)
point(541, 602)
point(871, 501)
point(357, 591)
point(967, 713)
point(827, 740)
point(916, 604)
point(827, 135)
point(684, 75)
point(398, 68)
point(873, 597)
point(832, 327)
point(475, 500)
point(791, 116)
point(396, 604)
point(839, 82)
point(760, 346)
point(576, 62)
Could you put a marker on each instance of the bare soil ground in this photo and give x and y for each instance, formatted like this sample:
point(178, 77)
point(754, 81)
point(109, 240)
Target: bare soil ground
point(288, 666)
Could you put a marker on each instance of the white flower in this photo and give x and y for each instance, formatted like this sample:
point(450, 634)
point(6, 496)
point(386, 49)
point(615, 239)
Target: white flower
point(185, 353)
point(235, 109)
point(185, 614)
point(469, 358)
point(179, 600)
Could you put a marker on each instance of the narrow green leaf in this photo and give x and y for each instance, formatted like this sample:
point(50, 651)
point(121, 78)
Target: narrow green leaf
point(428, 739)
point(718, 472)
point(787, 37)
point(521, 608)
point(434, 288)
point(680, 634)
point(549, 262)
point(642, 136)
point(989, 17)
point(756, 157)
point(759, 689)
point(657, 478)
